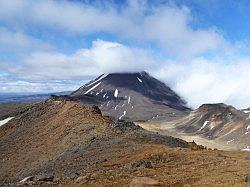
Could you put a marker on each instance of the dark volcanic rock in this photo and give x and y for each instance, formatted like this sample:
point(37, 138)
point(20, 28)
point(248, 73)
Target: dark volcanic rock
point(96, 109)
point(61, 98)
point(140, 164)
point(247, 179)
point(45, 178)
point(122, 125)
point(132, 96)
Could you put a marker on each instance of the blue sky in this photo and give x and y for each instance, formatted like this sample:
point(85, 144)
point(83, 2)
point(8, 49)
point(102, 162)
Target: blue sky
point(198, 47)
point(230, 17)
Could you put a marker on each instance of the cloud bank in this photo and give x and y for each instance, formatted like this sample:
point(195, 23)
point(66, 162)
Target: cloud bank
point(203, 81)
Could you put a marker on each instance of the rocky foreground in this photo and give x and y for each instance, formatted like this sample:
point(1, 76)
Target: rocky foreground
point(63, 142)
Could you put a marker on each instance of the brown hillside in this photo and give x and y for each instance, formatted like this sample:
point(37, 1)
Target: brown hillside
point(63, 138)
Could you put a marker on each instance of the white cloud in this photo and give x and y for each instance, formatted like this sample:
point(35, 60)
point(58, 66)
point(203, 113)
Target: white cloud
point(170, 27)
point(205, 81)
point(102, 57)
point(167, 25)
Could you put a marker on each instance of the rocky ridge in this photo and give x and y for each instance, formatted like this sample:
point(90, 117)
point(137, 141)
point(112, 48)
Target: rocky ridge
point(62, 138)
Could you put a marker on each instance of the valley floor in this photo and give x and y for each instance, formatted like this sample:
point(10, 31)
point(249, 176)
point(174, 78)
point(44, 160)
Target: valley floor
point(168, 128)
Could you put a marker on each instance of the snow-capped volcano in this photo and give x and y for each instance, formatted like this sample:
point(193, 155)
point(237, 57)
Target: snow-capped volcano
point(134, 96)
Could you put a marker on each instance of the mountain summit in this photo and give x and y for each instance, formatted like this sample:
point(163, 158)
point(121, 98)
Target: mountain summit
point(133, 96)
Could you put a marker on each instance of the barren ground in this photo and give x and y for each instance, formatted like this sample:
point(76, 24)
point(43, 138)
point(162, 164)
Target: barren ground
point(80, 147)
point(167, 128)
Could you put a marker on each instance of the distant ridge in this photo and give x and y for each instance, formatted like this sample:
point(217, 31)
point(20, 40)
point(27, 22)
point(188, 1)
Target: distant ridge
point(23, 98)
point(219, 122)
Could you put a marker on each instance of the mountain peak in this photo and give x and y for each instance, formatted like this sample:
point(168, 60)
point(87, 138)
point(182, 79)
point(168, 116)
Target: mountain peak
point(131, 95)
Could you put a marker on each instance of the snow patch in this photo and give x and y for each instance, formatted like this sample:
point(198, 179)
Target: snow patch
point(230, 141)
point(212, 126)
point(97, 93)
point(128, 99)
point(116, 107)
point(246, 111)
point(116, 92)
point(246, 149)
point(204, 125)
point(139, 79)
point(25, 179)
point(155, 116)
point(104, 95)
point(124, 113)
point(248, 127)
point(92, 88)
point(100, 78)
point(2, 122)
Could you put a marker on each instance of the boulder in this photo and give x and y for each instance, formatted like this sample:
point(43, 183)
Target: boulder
point(140, 164)
point(74, 175)
point(45, 178)
point(96, 109)
point(247, 179)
